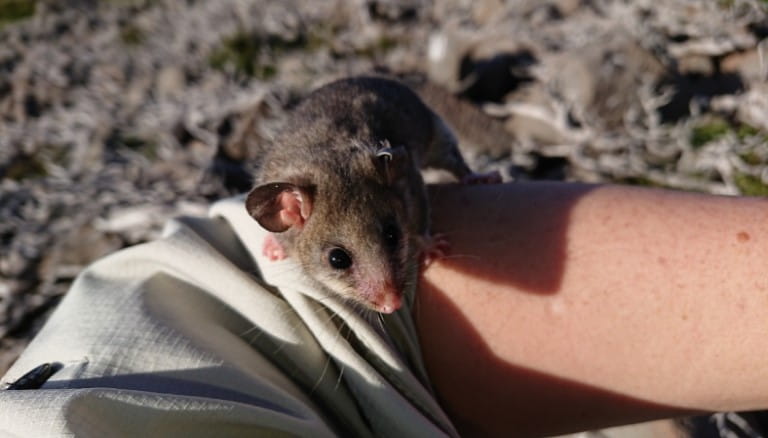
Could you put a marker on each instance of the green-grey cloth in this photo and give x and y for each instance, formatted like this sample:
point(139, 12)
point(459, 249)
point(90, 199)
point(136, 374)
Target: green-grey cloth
point(196, 334)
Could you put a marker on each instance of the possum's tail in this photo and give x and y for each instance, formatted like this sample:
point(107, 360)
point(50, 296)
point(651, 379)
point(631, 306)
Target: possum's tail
point(477, 131)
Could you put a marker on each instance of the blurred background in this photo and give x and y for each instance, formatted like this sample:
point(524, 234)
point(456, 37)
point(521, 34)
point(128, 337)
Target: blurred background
point(116, 115)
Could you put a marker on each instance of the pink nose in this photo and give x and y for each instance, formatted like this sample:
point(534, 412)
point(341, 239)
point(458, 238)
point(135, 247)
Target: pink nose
point(388, 302)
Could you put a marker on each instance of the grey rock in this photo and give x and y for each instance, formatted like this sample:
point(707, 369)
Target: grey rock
point(114, 116)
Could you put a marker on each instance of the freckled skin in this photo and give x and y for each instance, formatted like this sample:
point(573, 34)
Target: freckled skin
point(328, 152)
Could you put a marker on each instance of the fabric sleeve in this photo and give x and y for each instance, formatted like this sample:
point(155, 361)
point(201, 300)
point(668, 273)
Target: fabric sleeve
point(195, 334)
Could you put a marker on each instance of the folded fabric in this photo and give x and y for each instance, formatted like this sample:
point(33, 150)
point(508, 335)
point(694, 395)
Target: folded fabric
point(195, 334)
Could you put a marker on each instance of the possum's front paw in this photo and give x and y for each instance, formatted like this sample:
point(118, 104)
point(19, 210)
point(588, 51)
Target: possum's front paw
point(482, 178)
point(433, 247)
point(272, 249)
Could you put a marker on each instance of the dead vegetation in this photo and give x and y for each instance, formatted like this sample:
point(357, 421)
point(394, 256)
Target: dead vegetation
point(115, 115)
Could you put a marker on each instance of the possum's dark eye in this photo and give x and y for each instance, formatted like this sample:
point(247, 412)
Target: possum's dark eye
point(339, 259)
point(391, 234)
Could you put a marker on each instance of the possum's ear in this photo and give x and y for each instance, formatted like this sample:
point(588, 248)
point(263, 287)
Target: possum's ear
point(391, 162)
point(279, 206)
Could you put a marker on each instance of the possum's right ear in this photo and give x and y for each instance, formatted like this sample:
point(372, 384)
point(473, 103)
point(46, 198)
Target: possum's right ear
point(390, 162)
point(279, 206)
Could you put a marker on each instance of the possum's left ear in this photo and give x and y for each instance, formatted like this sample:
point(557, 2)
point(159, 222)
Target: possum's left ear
point(279, 206)
point(391, 162)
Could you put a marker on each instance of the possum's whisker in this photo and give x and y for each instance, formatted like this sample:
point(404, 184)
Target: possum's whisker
point(460, 256)
point(329, 356)
point(320, 378)
point(380, 318)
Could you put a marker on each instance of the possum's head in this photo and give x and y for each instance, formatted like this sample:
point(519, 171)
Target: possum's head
point(352, 231)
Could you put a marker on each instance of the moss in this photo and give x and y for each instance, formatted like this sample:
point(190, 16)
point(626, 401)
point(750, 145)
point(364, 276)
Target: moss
point(15, 10)
point(280, 45)
point(236, 51)
point(744, 131)
point(710, 131)
point(129, 3)
point(131, 35)
point(387, 43)
point(24, 167)
point(254, 55)
point(265, 71)
point(239, 53)
point(642, 181)
point(144, 147)
point(317, 39)
point(57, 154)
point(750, 185)
point(378, 48)
point(752, 158)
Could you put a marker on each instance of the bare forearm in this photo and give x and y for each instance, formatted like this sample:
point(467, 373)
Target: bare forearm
point(567, 307)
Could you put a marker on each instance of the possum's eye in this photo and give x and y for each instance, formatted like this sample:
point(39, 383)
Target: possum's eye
point(391, 234)
point(339, 259)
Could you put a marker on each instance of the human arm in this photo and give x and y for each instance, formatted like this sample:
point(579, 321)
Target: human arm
point(566, 307)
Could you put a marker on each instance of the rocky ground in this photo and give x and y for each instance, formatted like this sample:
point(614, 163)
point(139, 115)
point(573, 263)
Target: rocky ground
point(118, 114)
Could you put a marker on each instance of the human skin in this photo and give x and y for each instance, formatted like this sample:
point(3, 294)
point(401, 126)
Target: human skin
point(566, 307)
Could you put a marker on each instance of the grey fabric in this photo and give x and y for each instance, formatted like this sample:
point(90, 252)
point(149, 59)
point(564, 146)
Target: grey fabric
point(196, 335)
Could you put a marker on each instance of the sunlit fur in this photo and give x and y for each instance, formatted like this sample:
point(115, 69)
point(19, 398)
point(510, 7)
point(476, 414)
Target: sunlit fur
point(357, 228)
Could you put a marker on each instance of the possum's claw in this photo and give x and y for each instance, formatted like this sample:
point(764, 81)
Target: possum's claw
point(433, 247)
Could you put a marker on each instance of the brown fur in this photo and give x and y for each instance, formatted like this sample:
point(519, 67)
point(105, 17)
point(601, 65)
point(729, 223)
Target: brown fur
point(329, 152)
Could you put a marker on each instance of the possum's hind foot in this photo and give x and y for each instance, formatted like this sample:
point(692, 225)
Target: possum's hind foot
point(482, 178)
point(433, 247)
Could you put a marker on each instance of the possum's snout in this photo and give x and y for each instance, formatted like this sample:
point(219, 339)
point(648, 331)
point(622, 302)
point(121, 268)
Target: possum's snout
point(388, 301)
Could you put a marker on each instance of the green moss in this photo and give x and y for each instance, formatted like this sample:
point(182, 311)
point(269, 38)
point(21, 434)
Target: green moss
point(751, 158)
point(15, 10)
point(639, 181)
point(750, 185)
point(254, 55)
point(317, 39)
point(710, 131)
point(237, 52)
point(642, 181)
point(25, 167)
point(129, 3)
point(378, 48)
point(265, 71)
point(131, 35)
point(744, 131)
point(144, 147)
point(57, 154)
point(387, 43)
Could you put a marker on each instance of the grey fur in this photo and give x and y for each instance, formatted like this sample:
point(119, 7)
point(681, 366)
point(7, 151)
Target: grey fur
point(330, 150)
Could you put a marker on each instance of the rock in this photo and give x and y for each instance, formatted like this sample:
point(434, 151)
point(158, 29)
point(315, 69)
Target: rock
point(170, 82)
point(84, 245)
point(568, 7)
point(753, 108)
point(115, 110)
point(487, 11)
point(751, 65)
point(445, 51)
point(696, 65)
point(713, 46)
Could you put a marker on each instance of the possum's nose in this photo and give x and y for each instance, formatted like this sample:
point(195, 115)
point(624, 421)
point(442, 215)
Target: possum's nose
point(389, 301)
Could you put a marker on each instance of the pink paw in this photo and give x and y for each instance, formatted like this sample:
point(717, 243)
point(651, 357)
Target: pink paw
point(482, 178)
point(272, 249)
point(434, 247)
